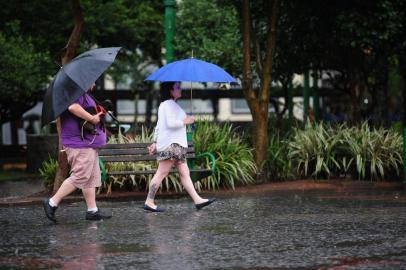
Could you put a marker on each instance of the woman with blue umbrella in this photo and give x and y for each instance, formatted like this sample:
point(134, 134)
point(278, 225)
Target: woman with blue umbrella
point(170, 143)
point(170, 133)
point(191, 70)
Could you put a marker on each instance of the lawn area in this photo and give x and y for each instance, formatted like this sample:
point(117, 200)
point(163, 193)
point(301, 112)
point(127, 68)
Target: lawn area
point(16, 175)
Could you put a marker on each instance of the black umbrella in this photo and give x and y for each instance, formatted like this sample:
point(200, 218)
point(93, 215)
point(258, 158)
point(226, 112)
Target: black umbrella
point(74, 79)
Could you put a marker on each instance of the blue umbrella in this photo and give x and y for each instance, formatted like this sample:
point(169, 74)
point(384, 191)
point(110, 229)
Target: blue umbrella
point(191, 70)
point(74, 79)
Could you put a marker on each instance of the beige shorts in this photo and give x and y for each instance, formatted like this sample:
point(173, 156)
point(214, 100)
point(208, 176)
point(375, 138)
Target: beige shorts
point(85, 171)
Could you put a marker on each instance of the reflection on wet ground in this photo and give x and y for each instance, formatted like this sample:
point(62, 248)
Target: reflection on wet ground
point(276, 231)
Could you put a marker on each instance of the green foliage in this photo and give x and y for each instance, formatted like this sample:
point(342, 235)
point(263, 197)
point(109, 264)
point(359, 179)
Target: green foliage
point(22, 71)
point(137, 26)
point(234, 159)
point(314, 150)
point(48, 171)
point(375, 150)
point(131, 24)
point(375, 23)
point(278, 165)
point(16, 175)
point(333, 151)
point(211, 32)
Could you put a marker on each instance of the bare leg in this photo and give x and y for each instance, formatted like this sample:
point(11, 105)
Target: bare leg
point(65, 189)
point(163, 169)
point(187, 182)
point(90, 197)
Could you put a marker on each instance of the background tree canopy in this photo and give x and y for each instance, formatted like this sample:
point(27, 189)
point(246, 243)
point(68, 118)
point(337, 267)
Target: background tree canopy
point(35, 35)
point(23, 72)
point(211, 32)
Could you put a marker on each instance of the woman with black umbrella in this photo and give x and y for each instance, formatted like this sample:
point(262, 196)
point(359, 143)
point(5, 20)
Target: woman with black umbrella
point(81, 150)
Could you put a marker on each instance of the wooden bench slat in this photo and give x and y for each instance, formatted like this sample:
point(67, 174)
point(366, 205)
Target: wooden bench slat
point(152, 172)
point(130, 145)
point(111, 152)
point(134, 158)
point(130, 151)
point(125, 145)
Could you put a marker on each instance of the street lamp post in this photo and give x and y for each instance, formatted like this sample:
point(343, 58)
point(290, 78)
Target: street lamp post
point(306, 95)
point(170, 15)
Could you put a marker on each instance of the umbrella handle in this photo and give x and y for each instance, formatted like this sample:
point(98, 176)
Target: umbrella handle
point(191, 127)
point(191, 99)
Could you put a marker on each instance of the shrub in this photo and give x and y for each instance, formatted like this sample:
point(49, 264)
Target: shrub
point(374, 150)
point(278, 165)
point(314, 150)
point(48, 171)
point(333, 151)
point(234, 158)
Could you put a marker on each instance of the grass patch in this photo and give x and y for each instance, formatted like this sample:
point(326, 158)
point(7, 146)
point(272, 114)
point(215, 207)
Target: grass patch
point(16, 175)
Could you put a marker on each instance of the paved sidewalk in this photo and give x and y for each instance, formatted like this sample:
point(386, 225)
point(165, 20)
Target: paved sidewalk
point(14, 189)
point(318, 226)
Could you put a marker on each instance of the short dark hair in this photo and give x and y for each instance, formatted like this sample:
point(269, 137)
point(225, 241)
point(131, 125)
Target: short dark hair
point(165, 91)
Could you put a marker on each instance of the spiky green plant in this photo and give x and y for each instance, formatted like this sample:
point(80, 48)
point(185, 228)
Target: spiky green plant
point(48, 171)
point(314, 150)
point(278, 165)
point(375, 150)
point(365, 152)
point(234, 158)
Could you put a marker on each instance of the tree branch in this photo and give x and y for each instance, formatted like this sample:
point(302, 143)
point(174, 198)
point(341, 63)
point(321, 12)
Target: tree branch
point(271, 43)
point(247, 72)
point(74, 39)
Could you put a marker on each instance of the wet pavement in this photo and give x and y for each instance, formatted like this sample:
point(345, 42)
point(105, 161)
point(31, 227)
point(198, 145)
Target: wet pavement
point(20, 188)
point(281, 230)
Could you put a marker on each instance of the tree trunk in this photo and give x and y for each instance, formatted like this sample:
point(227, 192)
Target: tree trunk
point(259, 102)
point(71, 47)
point(63, 168)
point(402, 65)
point(261, 138)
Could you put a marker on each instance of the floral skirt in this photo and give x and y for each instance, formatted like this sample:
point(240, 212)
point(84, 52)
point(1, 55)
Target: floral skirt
point(173, 152)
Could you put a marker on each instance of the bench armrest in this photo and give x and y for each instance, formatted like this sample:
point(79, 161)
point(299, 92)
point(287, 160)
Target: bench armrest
point(103, 171)
point(211, 157)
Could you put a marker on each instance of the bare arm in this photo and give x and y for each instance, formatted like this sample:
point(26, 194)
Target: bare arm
point(78, 110)
point(152, 147)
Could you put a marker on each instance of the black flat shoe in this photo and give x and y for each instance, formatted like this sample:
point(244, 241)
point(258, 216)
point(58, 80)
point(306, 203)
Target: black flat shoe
point(201, 205)
point(148, 208)
point(49, 210)
point(97, 215)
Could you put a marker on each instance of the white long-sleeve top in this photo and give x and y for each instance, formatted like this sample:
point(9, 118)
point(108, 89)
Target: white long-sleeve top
point(170, 128)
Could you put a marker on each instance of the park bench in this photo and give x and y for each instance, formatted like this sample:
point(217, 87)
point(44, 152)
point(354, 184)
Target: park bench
point(138, 152)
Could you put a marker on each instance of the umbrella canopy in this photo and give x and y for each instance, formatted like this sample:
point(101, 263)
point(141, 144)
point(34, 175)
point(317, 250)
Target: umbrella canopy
point(192, 70)
point(74, 79)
